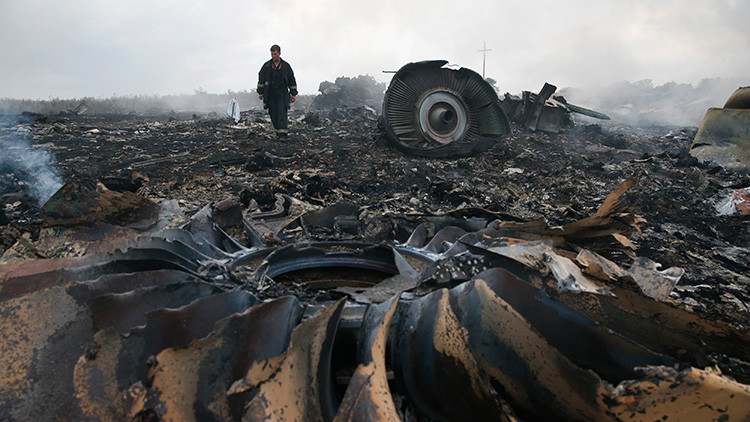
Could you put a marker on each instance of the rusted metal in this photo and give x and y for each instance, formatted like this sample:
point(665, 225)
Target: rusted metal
point(133, 353)
point(242, 343)
point(48, 301)
point(150, 333)
point(296, 385)
point(84, 291)
point(435, 111)
point(432, 361)
point(660, 326)
point(466, 342)
point(42, 333)
point(580, 339)
point(688, 394)
point(125, 311)
point(56, 327)
point(368, 396)
point(37, 275)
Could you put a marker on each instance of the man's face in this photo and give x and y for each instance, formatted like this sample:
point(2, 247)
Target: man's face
point(275, 55)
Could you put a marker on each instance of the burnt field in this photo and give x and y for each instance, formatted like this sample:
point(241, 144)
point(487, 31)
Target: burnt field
point(554, 178)
point(535, 183)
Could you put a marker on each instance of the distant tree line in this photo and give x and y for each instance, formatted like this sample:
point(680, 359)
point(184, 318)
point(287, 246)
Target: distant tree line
point(640, 102)
point(198, 102)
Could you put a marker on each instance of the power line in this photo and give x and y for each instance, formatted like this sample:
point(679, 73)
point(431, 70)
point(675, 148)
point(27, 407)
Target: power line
point(484, 57)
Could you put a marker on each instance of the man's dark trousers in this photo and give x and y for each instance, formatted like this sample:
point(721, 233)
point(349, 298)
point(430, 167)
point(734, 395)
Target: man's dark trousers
point(277, 108)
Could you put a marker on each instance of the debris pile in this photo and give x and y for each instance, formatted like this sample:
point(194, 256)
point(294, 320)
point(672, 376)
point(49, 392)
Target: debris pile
point(330, 277)
point(173, 327)
point(737, 201)
point(543, 112)
point(349, 92)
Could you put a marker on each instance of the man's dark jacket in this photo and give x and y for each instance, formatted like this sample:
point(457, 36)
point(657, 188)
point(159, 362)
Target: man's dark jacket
point(273, 82)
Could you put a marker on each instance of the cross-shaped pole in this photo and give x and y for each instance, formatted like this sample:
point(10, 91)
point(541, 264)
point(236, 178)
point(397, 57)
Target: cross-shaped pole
point(484, 57)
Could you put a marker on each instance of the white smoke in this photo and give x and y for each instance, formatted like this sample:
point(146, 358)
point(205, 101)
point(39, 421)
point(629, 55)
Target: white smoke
point(644, 104)
point(27, 168)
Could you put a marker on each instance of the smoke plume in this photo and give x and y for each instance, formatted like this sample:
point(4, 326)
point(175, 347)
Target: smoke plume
point(26, 168)
point(644, 104)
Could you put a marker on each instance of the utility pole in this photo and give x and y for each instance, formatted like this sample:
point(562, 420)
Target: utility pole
point(484, 57)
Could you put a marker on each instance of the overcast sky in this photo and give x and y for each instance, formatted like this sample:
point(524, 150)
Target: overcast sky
point(77, 48)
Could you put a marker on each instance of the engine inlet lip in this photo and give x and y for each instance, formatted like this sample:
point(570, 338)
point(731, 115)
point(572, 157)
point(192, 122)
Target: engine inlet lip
point(367, 260)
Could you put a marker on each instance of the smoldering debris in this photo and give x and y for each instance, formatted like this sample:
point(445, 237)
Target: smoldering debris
point(644, 103)
point(171, 327)
point(349, 92)
point(544, 112)
point(317, 268)
point(25, 167)
point(88, 201)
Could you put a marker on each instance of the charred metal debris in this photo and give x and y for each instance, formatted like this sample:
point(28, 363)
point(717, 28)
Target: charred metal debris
point(583, 275)
point(454, 316)
point(434, 110)
point(543, 111)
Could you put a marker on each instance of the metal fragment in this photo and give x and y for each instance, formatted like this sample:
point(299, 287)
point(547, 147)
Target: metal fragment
point(654, 283)
point(200, 382)
point(300, 388)
point(118, 367)
point(723, 137)
point(368, 397)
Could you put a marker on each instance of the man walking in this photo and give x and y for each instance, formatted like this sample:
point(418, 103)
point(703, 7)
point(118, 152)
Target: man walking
point(278, 89)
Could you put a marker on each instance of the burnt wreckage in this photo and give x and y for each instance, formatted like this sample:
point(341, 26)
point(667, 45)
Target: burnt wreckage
point(323, 313)
point(436, 111)
point(723, 136)
point(451, 317)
